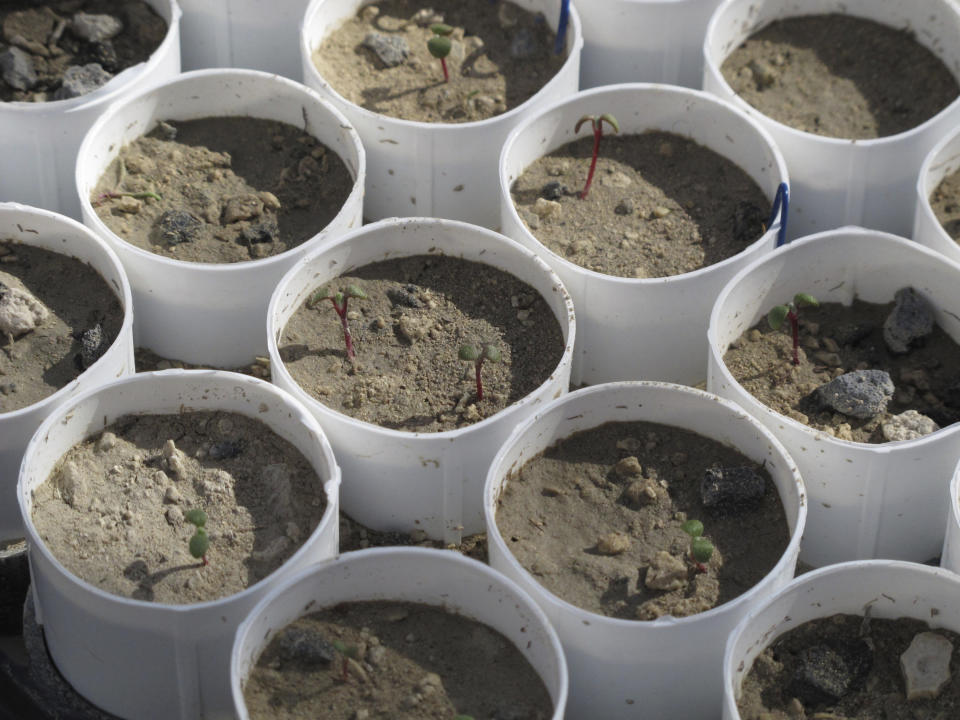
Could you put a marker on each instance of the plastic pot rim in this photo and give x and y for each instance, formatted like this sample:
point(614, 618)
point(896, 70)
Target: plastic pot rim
point(277, 365)
point(933, 159)
point(110, 89)
point(331, 487)
point(124, 292)
point(233, 73)
point(710, 66)
point(955, 498)
point(308, 46)
point(773, 415)
point(568, 608)
point(507, 201)
point(447, 556)
point(800, 581)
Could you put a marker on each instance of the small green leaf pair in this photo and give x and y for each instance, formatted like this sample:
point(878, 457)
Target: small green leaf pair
point(701, 549)
point(200, 542)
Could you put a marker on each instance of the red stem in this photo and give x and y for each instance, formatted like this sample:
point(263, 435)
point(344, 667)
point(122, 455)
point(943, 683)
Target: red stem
point(795, 330)
point(597, 134)
point(205, 563)
point(446, 75)
point(347, 337)
point(479, 364)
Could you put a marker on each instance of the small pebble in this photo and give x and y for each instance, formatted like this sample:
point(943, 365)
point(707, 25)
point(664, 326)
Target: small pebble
point(613, 543)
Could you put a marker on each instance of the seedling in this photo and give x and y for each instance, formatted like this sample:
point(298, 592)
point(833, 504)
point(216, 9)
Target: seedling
point(114, 195)
point(701, 549)
point(347, 652)
point(477, 354)
point(779, 313)
point(439, 46)
point(200, 542)
point(339, 301)
point(597, 124)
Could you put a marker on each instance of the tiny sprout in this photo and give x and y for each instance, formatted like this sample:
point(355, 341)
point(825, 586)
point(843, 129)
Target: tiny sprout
point(200, 542)
point(439, 46)
point(701, 549)
point(477, 355)
point(339, 301)
point(779, 313)
point(597, 124)
point(347, 651)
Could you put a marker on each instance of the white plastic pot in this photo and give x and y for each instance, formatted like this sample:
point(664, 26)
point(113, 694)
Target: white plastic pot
point(644, 41)
point(400, 480)
point(213, 313)
point(629, 668)
point(142, 660)
point(866, 500)
point(39, 141)
point(44, 229)
point(250, 34)
point(950, 557)
point(941, 162)
point(651, 328)
point(837, 181)
point(887, 589)
point(418, 575)
point(434, 169)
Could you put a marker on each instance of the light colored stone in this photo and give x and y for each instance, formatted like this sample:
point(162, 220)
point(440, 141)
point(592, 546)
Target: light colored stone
point(172, 495)
point(242, 207)
point(106, 442)
point(544, 208)
point(642, 492)
point(616, 179)
point(413, 327)
point(613, 543)
point(95, 28)
point(666, 572)
point(72, 485)
point(908, 425)
point(926, 665)
point(628, 467)
point(20, 311)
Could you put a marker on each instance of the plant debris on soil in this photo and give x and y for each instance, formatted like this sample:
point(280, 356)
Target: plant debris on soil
point(501, 55)
point(855, 668)
point(62, 49)
point(418, 312)
point(112, 511)
point(222, 189)
point(597, 518)
point(923, 394)
point(660, 205)
point(393, 659)
point(57, 317)
point(840, 76)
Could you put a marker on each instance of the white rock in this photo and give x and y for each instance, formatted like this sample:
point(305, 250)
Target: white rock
point(544, 208)
point(20, 311)
point(908, 425)
point(926, 665)
point(666, 572)
point(72, 485)
point(96, 28)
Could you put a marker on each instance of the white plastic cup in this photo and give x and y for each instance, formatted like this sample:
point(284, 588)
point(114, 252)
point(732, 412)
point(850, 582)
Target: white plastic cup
point(866, 500)
point(644, 41)
point(213, 313)
point(143, 660)
point(887, 589)
point(838, 181)
point(401, 480)
point(39, 141)
point(250, 34)
point(417, 575)
point(622, 669)
point(446, 170)
point(941, 162)
point(950, 557)
point(47, 230)
point(651, 328)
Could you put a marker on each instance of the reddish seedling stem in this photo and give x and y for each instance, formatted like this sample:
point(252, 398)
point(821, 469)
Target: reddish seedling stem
point(347, 337)
point(597, 134)
point(699, 565)
point(479, 364)
point(446, 73)
point(795, 331)
point(205, 563)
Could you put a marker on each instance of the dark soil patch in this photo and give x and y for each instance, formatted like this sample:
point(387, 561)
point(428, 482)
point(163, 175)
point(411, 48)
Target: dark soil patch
point(840, 76)
point(659, 205)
